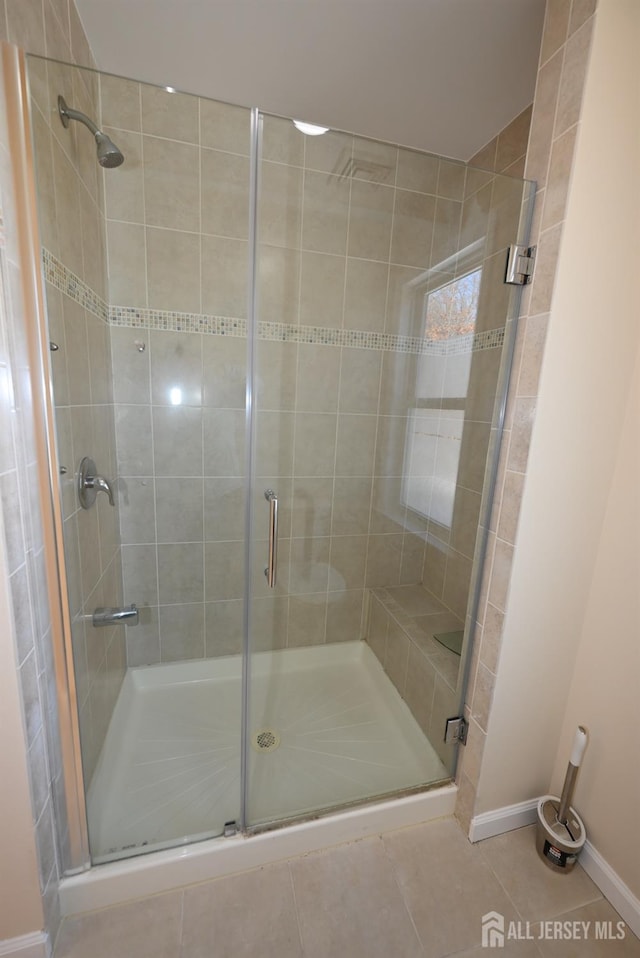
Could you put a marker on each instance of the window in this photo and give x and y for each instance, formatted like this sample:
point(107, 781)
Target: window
point(434, 435)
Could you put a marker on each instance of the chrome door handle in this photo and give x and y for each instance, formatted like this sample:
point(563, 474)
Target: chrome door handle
point(272, 565)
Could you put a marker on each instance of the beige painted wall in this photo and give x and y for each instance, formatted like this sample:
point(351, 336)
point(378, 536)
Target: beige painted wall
point(21, 911)
point(604, 690)
point(566, 550)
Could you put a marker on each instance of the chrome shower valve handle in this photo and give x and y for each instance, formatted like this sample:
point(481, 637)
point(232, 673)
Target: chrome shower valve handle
point(90, 484)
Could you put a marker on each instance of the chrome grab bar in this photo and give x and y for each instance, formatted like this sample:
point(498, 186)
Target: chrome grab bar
point(101, 618)
point(272, 567)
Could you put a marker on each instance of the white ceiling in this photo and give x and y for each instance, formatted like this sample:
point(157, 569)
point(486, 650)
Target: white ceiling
point(438, 75)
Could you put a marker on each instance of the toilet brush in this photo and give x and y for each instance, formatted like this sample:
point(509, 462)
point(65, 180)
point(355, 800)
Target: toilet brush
point(560, 835)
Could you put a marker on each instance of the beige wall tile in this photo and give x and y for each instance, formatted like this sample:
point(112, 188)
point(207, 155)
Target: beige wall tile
point(512, 141)
point(223, 627)
point(136, 506)
point(225, 193)
point(417, 171)
point(282, 142)
point(225, 127)
point(276, 375)
point(321, 289)
point(280, 205)
point(171, 184)
point(223, 509)
point(307, 620)
point(359, 380)
point(318, 378)
point(121, 103)
point(181, 573)
point(365, 294)
point(542, 120)
point(177, 441)
point(279, 286)
point(176, 364)
point(124, 196)
point(140, 574)
point(384, 554)
point(274, 451)
point(223, 442)
point(558, 179)
point(127, 266)
point(171, 115)
point(329, 153)
point(348, 560)
point(326, 213)
point(351, 505)
point(26, 26)
point(370, 220)
point(311, 507)
point(556, 24)
point(269, 621)
point(485, 158)
point(451, 179)
point(574, 70)
point(182, 631)
point(224, 276)
point(581, 10)
point(131, 368)
point(355, 445)
point(309, 570)
point(456, 584)
point(224, 363)
point(413, 222)
point(344, 615)
point(179, 505)
point(315, 444)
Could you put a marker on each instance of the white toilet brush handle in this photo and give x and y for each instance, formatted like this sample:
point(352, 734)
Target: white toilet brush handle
point(577, 752)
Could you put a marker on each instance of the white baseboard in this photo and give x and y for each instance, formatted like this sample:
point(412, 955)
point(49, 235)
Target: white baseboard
point(611, 886)
point(501, 820)
point(25, 946)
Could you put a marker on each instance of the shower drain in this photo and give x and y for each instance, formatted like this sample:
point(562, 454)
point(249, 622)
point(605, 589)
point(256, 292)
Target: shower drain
point(265, 740)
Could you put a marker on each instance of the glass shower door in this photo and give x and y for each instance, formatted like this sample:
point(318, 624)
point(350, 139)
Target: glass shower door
point(380, 367)
point(149, 380)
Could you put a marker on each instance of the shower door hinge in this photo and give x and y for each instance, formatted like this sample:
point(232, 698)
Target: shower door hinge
point(455, 731)
point(520, 260)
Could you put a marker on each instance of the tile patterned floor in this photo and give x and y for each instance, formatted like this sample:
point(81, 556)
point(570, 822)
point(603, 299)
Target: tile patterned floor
point(415, 893)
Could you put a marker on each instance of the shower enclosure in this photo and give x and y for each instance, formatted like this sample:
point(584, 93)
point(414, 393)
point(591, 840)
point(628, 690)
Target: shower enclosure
point(285, 357)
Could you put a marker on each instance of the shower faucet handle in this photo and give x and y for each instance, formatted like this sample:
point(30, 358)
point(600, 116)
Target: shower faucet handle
point(90, 484)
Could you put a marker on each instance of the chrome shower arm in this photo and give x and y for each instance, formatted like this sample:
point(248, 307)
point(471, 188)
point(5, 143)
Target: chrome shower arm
point(68, 113)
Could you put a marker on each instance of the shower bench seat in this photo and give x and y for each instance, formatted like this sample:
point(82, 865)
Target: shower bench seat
point(401, 625)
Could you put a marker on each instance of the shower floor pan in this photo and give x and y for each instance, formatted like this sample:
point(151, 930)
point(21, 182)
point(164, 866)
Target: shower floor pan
point(327, 728)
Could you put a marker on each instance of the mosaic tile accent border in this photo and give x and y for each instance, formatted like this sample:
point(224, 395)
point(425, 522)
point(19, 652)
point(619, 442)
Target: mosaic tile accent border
point(172, 321)
point(76, 289)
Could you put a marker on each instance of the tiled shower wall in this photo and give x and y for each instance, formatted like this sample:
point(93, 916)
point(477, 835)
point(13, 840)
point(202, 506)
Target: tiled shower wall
point(54, 30)
point(562, 70)
point(71, 202)
point(348, 227)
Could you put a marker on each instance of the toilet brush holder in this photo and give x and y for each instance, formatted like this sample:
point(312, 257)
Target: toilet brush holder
point(560, 832)
point(559, 844)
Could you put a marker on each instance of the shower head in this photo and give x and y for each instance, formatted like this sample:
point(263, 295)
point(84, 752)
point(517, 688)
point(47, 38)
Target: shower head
point(108, 153)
